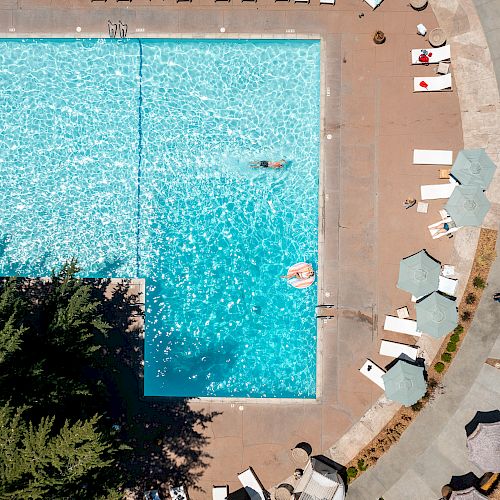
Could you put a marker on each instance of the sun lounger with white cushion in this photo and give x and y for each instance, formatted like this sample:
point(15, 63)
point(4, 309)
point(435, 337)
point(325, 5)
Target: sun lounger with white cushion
point(448, 285)
point(373, 372)
point(406, 326)
point(220, 492)
point(253, 487)
point(396, 349)
point(434, 83)
point(373, 3)
point(327, 2)
point(438, 54)
point(432, 157)
point(435, 231)
point(436, 191)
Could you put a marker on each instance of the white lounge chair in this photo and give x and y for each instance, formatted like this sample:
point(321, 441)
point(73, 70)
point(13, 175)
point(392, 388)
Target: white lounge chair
point(220, 492)
point(253, 487)
point(178, 493)
point(435, 55)
point(432, 83)
point(448, 285)
point(373, 372)
point(406, 326)
point(432, 157)
point(436, 233)
point(396, 349)
point(436, 191)
point(327, 2)
point(373, 3)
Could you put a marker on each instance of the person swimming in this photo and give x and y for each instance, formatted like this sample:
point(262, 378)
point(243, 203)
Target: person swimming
point(268, 164)
point(304, 272)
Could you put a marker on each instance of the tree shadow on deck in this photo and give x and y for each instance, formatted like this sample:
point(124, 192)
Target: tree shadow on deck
point(162, 440)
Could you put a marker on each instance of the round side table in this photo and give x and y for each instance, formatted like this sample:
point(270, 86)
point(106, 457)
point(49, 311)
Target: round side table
point(437, 37)
point(300, 456)
point(418, 4)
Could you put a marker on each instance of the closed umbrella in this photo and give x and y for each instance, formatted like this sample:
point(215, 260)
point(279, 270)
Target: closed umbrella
point(419, 274)
point(473, 167)
point(483, 446)
point(467, 206)
point(437, 315)
point(405, 383)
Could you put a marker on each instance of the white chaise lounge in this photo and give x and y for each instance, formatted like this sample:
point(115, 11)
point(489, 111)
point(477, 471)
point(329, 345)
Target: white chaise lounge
point(373, 372)
point(448, 285)
point(396, 349)
point(435, 55)
point(436, 191)
point(220, 492)
point(432, 83)
point(253, 487)
point(434, 229)
point(327, 2)
point(432, 157)
point(373, 3)
point(406, 326)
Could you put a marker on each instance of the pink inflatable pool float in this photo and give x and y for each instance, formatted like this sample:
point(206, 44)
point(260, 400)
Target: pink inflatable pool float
point(303, 270)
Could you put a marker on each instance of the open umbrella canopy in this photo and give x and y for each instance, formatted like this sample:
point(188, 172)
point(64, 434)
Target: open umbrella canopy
point(467, 205)
point(473, 167)
point(468, 494)
point(419, 274)
point(405, 383)
point(437, 315)
point(483, 446)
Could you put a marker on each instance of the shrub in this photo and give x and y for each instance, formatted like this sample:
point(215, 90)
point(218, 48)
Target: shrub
point(362, 465)
point(352, 472)
point(455, 337)
point(446, 357)
point(470, 299)
point(466, 316)
point(459, 330)
point(417, 406)
point(478, 282)
point(439, 367)
point(432, 383)
point(451, 347)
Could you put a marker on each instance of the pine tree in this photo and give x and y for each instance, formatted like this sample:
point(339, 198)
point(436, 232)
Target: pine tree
point(11, 310)
point(35, 463)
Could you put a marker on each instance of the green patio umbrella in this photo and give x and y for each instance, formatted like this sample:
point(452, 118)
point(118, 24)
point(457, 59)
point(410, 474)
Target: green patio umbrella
point(437, 315)
point(405, 383)
point(473, 167)
point(467, 206)
point(419, 274)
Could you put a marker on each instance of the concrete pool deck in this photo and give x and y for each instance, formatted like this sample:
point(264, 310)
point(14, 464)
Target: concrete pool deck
point(374, 121)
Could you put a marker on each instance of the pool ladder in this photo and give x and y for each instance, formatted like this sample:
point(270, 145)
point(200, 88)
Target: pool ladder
point(119, 29)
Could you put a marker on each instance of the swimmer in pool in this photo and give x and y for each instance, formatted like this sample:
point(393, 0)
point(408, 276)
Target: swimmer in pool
point(268, 164)
point(307, 273)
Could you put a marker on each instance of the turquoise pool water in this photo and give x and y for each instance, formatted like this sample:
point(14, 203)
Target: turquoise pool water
point(132, 156)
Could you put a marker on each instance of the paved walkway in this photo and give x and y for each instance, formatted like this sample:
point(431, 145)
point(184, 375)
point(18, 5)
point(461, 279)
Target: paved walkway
point(433, 447)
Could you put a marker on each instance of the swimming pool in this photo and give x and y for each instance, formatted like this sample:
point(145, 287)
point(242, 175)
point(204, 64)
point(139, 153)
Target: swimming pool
point(133, 157)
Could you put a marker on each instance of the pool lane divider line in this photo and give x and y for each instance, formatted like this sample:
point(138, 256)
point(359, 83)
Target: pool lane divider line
point(139, 166)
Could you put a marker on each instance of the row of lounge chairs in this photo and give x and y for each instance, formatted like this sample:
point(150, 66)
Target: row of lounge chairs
point(439, 83)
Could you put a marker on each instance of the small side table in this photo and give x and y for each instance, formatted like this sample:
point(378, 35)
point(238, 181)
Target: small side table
point(418, 4)
point(437, 37)
point(403, 312)
point(422, 207)
point(443, 68)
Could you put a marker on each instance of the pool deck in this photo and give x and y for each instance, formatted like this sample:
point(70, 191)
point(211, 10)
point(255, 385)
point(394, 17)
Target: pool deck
point(374, 121)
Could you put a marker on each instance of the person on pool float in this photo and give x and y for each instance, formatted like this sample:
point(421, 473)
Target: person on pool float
point(307, 273)
point(268, 164)
point(445, 227)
